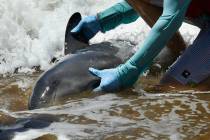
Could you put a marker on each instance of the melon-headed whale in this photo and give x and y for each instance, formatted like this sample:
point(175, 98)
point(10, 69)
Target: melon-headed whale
point(71, 75)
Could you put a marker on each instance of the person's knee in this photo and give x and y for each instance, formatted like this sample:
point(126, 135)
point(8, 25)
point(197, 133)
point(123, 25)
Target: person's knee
point(169, 80)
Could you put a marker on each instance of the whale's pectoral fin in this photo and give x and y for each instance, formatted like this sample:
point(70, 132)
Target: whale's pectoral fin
point(73, 41)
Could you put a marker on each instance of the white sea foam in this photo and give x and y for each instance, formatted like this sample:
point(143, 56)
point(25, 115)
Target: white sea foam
point(32, 31)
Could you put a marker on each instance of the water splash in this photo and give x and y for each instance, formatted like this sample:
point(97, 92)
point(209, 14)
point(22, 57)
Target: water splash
point(32, 31)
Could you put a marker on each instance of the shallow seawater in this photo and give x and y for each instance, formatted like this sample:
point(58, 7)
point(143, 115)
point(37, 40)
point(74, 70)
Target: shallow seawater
point(133, 114)
point(32, 33)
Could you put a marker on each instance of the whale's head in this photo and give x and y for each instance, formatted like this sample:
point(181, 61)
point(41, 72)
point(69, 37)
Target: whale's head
point(44, 91)
point(59, 83)
point(51, 86)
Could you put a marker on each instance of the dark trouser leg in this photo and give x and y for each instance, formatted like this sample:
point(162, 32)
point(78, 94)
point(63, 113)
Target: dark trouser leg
point(193, 67)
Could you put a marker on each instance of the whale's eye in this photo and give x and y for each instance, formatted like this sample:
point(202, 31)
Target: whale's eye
point(55, 83)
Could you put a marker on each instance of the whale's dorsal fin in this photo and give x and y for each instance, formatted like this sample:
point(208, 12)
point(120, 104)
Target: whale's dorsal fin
point(73, 22)
point(73, 42)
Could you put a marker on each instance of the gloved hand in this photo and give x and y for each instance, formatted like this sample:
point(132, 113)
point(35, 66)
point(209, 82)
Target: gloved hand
point(115, 79)
point(87, 28)
point(109, 80)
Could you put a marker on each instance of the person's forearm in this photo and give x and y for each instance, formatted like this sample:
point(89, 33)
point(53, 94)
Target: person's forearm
point(161, 32)
point(117, 14)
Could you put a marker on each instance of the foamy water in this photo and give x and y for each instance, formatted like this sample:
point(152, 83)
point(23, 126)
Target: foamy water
point(32, 31)
point(174, 117)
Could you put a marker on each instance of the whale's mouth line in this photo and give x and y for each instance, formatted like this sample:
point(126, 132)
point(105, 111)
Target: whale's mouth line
point(45, 99)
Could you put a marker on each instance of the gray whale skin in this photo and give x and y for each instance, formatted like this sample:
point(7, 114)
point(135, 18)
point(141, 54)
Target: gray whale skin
point(70, 75)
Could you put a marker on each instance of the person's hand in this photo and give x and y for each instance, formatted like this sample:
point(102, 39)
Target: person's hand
point(115, 79)
point(87, 28)
point(109, 80)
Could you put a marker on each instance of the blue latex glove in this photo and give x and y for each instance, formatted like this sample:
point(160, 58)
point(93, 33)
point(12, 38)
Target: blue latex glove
point(88, 27)
point(109, 80)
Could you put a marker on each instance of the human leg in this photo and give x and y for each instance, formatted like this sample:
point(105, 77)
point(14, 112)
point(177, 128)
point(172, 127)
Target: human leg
point(150, 13)
point(193, 67)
